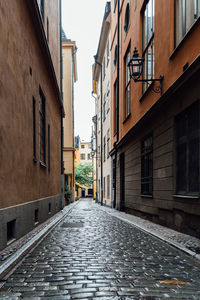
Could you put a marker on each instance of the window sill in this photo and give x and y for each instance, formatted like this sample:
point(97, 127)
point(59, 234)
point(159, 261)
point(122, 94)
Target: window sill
point(146, 92)
point(184, 38)
point(42, 164)
point(146, 196)
point(127, 117)
point(36, 223)
point(186, 196)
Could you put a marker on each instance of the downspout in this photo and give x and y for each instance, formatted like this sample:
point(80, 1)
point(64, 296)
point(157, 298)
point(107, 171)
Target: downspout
point(61, 95)
point(115, 143)
point(98, 63)
point(73, 181)
point(96, 199)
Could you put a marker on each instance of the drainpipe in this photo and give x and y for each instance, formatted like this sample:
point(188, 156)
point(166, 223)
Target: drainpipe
point(73, 182)
point(115, 143)
point(98, 63)
point(61, 95)
point(96, 199)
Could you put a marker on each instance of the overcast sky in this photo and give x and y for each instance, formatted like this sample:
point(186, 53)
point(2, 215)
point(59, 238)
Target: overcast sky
point(82, 20)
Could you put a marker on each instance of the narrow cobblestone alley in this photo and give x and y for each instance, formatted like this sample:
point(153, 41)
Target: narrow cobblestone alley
point(92, 255)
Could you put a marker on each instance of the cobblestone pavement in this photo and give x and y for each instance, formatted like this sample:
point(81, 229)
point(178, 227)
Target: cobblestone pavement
point(93, 255)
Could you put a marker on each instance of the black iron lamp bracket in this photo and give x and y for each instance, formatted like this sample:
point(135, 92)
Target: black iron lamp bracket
point(158, 88)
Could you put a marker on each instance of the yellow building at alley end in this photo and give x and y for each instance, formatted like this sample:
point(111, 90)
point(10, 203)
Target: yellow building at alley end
point(69, 78)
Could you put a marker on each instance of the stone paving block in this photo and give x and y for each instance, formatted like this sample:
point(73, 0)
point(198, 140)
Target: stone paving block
point(83, 290)
point(64, 297)
point(70, 287)
point(82, 296)
point(105, 294)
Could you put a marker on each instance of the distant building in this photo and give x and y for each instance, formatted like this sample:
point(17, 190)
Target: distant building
point(69, 78)
point(101, 75)
point(30, 116)
point(83, 155)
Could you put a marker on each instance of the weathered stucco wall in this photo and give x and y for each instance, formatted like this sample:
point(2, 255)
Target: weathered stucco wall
point(22, 180)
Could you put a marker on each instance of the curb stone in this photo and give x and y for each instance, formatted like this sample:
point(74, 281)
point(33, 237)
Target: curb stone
point(156, 230)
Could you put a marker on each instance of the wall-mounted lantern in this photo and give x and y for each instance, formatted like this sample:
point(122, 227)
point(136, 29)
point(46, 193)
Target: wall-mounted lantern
point(135, 66)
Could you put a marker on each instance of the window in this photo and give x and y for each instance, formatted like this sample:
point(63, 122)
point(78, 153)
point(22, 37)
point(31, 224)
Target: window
point(115, 57)
point(108, 142)
point(49, 150)
point(49, 208)
point(42, 128)
point(88, 156)
point(99, 121)
point(36, 216)
point(148, 42)
point(186, 13)
point(11, 230)
point(34, 131)
point(108, 52)
point(104, 187)
point(116, 107)
point(99, 156)
point(82, 146)
point(127, 84)
point(187, 151)
point(47, 30)
point(41, 8)
point(108, 186)
point(104, 67)
point(104, 107)
point(82, 156)
point(104, 148)
point(147, 166)
point(127, 17)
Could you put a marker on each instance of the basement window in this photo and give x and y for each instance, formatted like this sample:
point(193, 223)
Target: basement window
point(49, 208)
point(11, 231)
point(36, 216)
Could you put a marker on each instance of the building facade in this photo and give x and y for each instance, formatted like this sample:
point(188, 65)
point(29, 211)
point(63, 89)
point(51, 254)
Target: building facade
point(155, 124)
point(30, 116)
point(101, 75)
point(83, 156)
point(69, 78)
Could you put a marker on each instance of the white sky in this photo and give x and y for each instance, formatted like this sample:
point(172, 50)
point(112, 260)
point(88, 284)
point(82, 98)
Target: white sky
point(82, 20)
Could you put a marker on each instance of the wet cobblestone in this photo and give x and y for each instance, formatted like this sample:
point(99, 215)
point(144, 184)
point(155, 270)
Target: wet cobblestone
point(93, 255)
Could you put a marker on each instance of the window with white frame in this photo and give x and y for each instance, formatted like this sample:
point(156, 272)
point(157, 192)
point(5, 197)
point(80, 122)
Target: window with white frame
point(108, 52)
point(104, 148)
point(186, 14)
point(104, 107)
point(108, 142)
point(148, 42)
